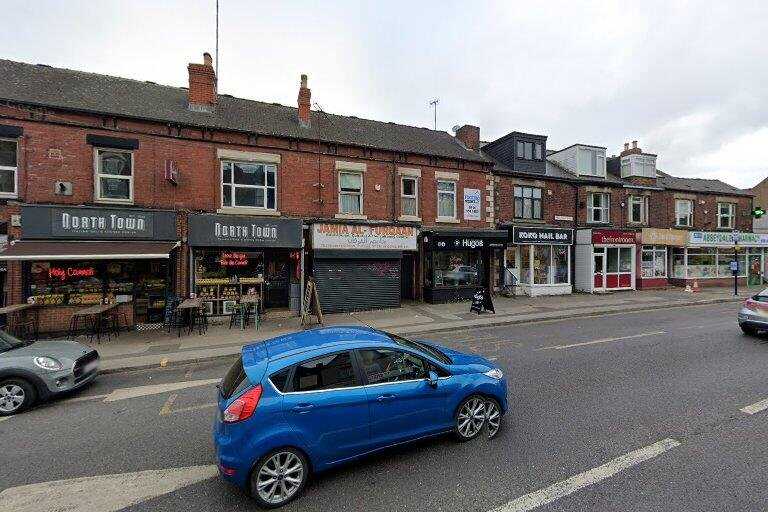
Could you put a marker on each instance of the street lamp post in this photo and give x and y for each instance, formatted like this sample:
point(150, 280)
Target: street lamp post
point(735, 235)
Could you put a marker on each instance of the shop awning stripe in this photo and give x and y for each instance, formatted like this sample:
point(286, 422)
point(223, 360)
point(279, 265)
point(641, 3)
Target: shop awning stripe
point(55, 250)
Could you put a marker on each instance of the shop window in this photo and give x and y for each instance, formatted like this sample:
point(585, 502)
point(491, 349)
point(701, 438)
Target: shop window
point(613, 261)
point(453, 269)
point(654, 262)
point(446, 199)
point(598, 207)
point(726, 214)
point(542, 263)
point(525, 264)
point(351, 193)
point(638, 209)
point(248, 185)
point(9, 168)
point(529, 150)
point(527, 202)
point(625, 259)
point(702, 262)
point(678, 263)
point(114, 175)
point(560, 267)
point(724, 259)
point(684, 212)
point(409, 196)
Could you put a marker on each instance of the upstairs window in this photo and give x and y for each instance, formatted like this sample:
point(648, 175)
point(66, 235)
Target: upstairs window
point(598, 207)
point(9, 167)
point(527, 203)
point(409, 196)
point(351, 193)
point(248, 185)
point(114, 175)
point(726, 215)
point(590, 162)
point(530, 150)
point(684, 212)
point(446, 199)
point(638, 209)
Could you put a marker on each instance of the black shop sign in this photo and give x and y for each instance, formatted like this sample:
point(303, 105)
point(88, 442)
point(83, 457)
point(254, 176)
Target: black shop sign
point(535, 235)
point(236, 231)
point(83, 223)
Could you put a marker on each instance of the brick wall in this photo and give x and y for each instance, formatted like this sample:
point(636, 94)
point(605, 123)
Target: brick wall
point(557, 199)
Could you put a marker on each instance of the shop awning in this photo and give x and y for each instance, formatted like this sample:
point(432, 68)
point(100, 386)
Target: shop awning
point(54, 250)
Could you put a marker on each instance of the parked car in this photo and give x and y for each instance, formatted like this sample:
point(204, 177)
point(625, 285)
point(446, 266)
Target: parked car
point(35, 371)
point(306, 402)
point(753, 316)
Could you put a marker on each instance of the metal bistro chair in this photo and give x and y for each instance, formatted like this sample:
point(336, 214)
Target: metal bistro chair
point(200, 320)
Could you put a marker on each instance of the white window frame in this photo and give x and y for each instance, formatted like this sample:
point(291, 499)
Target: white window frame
point(605, 218)
point(15, 170)
point(361, 193)
point(689, 216)
point(595, 156)
point(654, 250)
point(453, 193)
point(730, 216)
point(268, 167)
point(643, 200)
point(97, 175)
point(415, 196)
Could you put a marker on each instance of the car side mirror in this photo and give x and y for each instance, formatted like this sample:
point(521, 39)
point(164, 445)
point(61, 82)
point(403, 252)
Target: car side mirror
point(432, 379)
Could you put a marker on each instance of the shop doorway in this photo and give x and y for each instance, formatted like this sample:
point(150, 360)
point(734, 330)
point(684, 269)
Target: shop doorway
point(599, 267)
point(614, 268)
point(755, 265)
point(406, 276)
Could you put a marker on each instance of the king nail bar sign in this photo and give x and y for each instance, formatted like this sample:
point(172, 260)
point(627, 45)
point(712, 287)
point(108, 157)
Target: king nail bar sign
point(535, 235)
point(57, 222)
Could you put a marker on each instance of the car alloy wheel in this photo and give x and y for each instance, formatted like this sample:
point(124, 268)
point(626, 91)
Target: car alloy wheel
point(493, 417)
point(280, 477)
point(12, 397)
point(471, 417)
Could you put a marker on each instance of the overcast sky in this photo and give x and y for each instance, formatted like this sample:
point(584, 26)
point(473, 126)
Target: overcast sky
point(688, 80)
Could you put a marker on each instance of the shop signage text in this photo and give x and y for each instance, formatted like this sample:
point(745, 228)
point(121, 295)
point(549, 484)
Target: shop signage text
point(461, 243)
point(236, 231)
point(64, 273)
point(534, 235)
point(725, 238)
point(673, 237)
point(359, 236)
point(233, 259)
point(613, 237)
point(472, 201)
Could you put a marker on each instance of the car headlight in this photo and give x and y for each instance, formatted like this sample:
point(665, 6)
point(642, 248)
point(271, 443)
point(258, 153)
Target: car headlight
point(48, 363)
point(496, 373)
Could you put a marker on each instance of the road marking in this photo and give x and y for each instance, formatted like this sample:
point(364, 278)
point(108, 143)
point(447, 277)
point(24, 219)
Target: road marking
point(84, 398)
point(604, 340)
point(5, 418)
point(103, 493)
point(566, 487)
point(756, 407)
point(165, 410)
point(156, 389)
point(194, 408)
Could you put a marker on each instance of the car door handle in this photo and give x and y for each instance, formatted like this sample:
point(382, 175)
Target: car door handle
point(302, 408)
point(384, 398)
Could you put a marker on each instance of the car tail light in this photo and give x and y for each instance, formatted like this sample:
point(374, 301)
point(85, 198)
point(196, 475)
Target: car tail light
point(750, 305)
point(243, 406)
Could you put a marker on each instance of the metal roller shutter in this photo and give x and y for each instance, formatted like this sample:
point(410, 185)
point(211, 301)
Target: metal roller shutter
point(357, 285)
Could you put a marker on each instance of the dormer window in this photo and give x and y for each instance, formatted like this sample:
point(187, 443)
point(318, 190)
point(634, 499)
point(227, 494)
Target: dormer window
point(590, 162)
point(529, 150)
point(641, 166)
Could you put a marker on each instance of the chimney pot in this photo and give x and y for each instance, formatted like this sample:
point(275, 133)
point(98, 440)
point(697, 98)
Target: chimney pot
point(626, 146)
point(304, 101)
point(207, 59)
point(469, 136)
point(634, 144)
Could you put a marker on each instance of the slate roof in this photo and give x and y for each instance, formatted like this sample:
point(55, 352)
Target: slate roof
point(699, 185)
point(41, 85)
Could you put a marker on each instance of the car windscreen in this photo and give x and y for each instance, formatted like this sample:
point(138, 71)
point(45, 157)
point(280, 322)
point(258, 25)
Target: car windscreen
point(762, 296)
point(8, 342)
point(234, 380)
point(421, 347)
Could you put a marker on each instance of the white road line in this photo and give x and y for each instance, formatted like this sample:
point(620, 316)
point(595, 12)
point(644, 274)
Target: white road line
point(83, 398)
point(156, 389)
point(5, 418)
point(566, 487)
point(605, 340)
point(103, 493)
point(756, 407)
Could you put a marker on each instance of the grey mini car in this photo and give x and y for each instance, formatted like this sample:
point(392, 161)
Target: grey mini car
point(34, 371)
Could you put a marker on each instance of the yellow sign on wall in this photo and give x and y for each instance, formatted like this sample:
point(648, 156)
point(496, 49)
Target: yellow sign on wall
point(673, 237)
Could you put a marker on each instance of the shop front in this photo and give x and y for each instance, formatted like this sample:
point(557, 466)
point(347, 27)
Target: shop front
point(539, 258)
point(654, 250)
point(232, 256)
point(605, 260)
point(708, 256)
point(359, 267)
point(457, 263)
point(69, 258)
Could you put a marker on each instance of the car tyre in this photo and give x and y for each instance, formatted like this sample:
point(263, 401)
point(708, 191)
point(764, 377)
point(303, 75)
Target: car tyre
point(16, 395)
point(470, 418)
point(279, 477)
point(749, 331)
point(494, 417)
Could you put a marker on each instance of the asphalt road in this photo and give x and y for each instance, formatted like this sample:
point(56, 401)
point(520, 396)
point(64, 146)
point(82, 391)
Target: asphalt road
point(583, 392)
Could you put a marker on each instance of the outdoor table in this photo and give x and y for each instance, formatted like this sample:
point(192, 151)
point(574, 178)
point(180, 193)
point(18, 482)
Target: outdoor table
point(186, 308)
point(247, 301)
point(18, 312)
point(96, 314)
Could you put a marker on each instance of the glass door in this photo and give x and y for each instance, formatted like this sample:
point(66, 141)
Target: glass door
point(599, 269)
point(755, 278)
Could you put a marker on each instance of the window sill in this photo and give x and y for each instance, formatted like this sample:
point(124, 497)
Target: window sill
point(409, 218)
point(351, 216)
point(447, 220)
point(8, 195)
point(113, 201)
point(531, 220)
point(231, 210)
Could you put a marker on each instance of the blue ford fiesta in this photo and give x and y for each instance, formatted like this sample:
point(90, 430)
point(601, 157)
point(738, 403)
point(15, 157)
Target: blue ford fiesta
point(309, 401)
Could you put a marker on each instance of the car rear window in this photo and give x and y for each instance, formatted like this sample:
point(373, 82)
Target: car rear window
point(280, 379)
point(234, 380)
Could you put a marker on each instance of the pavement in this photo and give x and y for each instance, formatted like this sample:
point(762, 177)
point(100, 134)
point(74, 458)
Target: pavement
point(654, 410)
point(134, 350)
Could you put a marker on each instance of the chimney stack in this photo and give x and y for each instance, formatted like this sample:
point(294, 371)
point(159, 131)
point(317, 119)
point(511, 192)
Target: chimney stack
point(634, 150)
point(626, 146)
point(305, 101)
point(634, 144)
point(202, 85)
point(469, 136)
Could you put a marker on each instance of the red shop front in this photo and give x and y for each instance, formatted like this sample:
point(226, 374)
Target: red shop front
point(605, 260)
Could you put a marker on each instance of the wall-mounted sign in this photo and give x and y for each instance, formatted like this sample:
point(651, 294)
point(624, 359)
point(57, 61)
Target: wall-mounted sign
point(472, 200)
point(725, 238)
point(536, 235)
point(65, 273)
point(359, 236)
point(673, 237)
point(236, 231)
point(457, 240)
point(233, 259)
point(97, 223)
point(171, 172)
point(567, 218)
point(613, 237)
